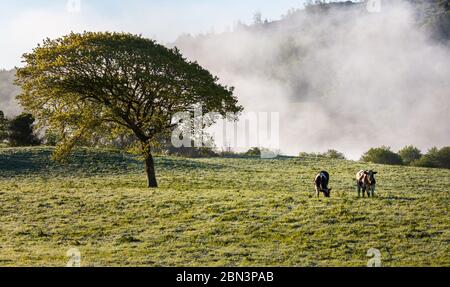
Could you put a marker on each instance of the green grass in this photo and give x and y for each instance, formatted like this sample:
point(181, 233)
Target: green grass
point(216, 212)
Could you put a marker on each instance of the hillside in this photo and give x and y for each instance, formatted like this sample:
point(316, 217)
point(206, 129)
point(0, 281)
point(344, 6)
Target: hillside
point(216, 212)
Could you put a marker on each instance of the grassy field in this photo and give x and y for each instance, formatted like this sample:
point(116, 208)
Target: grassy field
point(216, 212)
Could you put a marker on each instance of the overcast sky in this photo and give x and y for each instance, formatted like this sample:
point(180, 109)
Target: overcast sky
point(24, 23)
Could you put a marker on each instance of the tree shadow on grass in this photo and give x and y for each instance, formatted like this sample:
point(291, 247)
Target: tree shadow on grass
point(86, 162)
point(82, 162)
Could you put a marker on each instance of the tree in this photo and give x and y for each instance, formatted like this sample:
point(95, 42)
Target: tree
point(3, 127)
point(435, 158)
point(257, 18)
point(334, 154)
point(21, 131)
point(443, 157)
point(382, 155)
point(410, 154)
point(116, 83)
point(254, 151)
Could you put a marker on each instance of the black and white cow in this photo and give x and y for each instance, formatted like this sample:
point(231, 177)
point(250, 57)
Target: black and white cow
point(321, 184)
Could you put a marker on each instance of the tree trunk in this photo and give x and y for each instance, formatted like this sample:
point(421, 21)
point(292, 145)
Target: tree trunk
point(150, 170)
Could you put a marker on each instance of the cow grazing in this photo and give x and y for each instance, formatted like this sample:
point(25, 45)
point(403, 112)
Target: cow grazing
point(321, 183)
point(365, 181)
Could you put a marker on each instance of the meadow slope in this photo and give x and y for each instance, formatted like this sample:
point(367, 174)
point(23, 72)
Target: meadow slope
point(216, 212)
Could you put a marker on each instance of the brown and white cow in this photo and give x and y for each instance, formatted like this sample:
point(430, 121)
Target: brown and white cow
point(365, 181)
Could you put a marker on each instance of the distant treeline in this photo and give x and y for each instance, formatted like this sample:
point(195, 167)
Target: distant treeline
point(20, 131)
point(409, 155)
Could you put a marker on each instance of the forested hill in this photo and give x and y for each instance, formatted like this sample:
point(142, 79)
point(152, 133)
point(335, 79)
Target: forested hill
point(287, 50)
point(433, 15)
point(334, 69)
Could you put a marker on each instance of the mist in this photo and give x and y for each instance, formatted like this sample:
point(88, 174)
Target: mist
point(342, 79)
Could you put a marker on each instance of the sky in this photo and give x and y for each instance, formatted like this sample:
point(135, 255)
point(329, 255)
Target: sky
point(25, 23)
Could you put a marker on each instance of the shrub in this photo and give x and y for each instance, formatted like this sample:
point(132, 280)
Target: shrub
point(305, 154)
point(256, 151)
point(435, 158)
point(382, 155)
point(410, 154)
point(333, 154)
point(443, 157)
point(330, 154)
point(21, 131)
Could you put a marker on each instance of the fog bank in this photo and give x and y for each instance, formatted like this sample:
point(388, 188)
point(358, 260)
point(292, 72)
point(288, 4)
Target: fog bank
point(343, 78)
